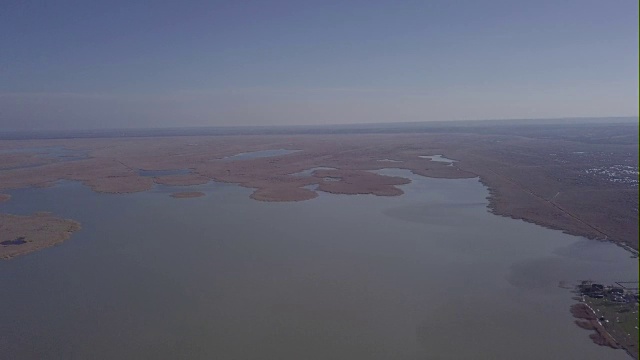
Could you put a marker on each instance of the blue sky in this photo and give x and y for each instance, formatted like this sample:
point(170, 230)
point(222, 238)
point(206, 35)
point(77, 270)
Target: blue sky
point(93, 64)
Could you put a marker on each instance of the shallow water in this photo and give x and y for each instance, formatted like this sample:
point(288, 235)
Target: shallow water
point(309, 172)
point(259, 154)
point(438, 158)
point(154, 173)
point(430, 274)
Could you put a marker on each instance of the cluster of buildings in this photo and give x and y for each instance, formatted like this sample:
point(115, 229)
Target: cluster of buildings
point(616, 294)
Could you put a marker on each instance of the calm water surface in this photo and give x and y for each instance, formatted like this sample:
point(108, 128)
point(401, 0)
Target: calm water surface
point(259, 154)
point(154, 173)
point(437, 158)
point(309, 172)
point(427, 275)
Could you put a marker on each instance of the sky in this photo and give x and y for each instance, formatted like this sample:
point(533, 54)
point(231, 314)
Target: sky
point(131, 64)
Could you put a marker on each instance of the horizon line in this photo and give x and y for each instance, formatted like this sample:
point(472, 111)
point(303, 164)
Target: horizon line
point(587, 119)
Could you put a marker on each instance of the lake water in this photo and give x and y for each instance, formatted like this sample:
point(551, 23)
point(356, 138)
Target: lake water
point(259, 154)
point(154, 173)
point(309, 172)
point(427, 275)
point(438, 158)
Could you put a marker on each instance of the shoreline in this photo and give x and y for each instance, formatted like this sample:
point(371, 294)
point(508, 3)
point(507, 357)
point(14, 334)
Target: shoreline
point(278, 197)
point(588, 319)
point(342, 167)
point(22, 235)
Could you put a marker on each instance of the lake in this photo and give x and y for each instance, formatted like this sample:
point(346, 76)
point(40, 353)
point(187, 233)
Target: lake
point(427, 275)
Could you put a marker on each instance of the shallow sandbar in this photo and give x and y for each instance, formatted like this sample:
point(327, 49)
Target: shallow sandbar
point(187, 194)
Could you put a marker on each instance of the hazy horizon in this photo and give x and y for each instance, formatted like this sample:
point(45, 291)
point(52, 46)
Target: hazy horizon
point(604, 120)
point(107, 65)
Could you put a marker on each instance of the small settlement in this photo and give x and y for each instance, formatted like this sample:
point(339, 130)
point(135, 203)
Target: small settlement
point(611, 311)
point(618, 293)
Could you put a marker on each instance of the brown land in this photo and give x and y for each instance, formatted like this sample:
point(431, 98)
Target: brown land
point(17, 160)
point(544, 177)
point(619, 321)
point(181, 180)
point(20, 235)
point(4, 197)
point(589, 321)
point(187, 194)
point(607, 333)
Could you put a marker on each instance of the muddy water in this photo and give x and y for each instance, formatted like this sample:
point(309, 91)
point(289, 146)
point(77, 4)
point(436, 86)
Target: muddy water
point(427, 275)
